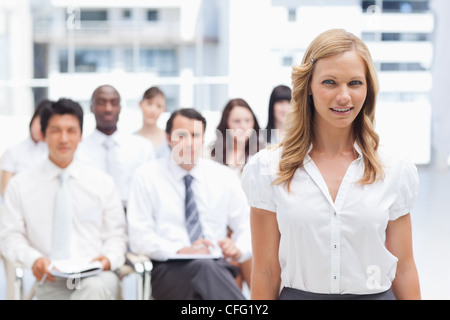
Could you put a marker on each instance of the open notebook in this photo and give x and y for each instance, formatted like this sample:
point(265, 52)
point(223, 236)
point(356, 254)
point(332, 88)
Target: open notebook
point(70, 268)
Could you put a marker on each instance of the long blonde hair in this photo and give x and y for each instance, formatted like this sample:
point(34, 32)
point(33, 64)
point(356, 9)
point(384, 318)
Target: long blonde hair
point(299, 123)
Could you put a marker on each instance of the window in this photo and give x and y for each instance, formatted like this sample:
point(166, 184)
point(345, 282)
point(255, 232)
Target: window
point(392, 36)
point(412, 66)
point(405, 6)
point(126, 14)
point(166, 60)
point(63, 61)
point(292, 14)
point(89, 60)
point(93, 15)
point(152, 15)
point(369, 36)
point(406, 37)
point(128, 59)
point(391, 6)
point(367, 4)
point(161, 62)
point(287, 61)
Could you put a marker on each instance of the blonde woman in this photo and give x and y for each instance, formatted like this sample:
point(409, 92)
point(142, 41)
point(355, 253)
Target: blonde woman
point(330, 211)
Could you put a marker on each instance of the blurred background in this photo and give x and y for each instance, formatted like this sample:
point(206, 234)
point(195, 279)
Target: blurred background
point(201, 53)
point(204, 52)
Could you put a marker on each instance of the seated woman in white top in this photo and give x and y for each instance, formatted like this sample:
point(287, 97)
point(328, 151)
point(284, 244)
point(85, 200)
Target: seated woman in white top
point(153, 104)
point(237, 140)
point(237, 135)
point(279, 108)
point(27, 153)
point(330, 212)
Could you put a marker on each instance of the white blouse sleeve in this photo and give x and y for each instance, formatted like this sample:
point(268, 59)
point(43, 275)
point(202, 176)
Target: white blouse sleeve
point(7, 161)
point(407, 190)
point(257, 178)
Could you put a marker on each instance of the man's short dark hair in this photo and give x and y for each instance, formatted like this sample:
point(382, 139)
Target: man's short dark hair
point(190, 113)
point(61, 107)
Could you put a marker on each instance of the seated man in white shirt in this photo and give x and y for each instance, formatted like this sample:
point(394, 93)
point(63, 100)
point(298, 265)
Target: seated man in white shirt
point(91, 221)
point(117, 153)
point(22, 156)
point(189, 263)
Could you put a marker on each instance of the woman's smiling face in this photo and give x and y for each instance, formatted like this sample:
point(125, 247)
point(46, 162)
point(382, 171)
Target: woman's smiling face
point(339, 89)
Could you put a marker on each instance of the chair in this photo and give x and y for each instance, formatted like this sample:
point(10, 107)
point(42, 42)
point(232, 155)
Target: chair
point(139, 265)
point(142, 266)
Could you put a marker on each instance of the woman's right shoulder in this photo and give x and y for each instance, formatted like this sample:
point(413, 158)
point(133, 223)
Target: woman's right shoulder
point(258, 176)
point(266, 161)
point(267, 155)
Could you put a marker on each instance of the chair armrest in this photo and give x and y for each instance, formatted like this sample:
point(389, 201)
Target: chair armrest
point(133, 259)
point(133, 263)
point(15, 272)
point(142, 266)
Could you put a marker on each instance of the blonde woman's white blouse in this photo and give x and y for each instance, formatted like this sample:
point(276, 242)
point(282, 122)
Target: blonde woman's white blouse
point(333, 247)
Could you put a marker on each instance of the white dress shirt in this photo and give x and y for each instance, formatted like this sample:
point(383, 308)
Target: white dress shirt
point(333, 247)
point(24, 155)
point(156, 216)
point(98, 218)
point(131, 151)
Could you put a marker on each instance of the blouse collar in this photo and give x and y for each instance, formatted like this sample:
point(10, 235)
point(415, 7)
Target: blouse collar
point(355, 146)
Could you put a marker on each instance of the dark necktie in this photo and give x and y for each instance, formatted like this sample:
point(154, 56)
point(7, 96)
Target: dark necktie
point(193, 225)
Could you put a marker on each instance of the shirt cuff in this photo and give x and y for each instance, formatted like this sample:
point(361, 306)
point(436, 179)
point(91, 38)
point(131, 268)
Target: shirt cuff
point(31, 257)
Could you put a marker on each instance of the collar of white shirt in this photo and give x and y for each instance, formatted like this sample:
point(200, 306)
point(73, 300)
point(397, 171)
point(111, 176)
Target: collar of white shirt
point(51, 170)
point(100, 137)
point(179, 173)
point(355, 145)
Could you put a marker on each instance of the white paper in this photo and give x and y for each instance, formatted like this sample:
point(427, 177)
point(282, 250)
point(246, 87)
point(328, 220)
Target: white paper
point(69, 268)
point(194, 256)
point(215, 253)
